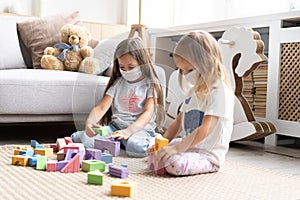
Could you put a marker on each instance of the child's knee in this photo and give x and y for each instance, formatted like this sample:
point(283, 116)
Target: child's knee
point(137, 147)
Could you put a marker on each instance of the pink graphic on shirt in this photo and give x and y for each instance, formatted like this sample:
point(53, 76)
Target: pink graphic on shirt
point(130, 102)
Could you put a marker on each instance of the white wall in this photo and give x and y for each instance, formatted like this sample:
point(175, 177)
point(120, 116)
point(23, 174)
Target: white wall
point(104, 11)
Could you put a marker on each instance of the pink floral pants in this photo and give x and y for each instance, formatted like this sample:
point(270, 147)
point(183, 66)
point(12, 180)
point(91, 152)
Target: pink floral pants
point(189, 163)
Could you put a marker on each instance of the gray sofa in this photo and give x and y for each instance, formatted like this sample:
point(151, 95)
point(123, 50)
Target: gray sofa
point(37, 95)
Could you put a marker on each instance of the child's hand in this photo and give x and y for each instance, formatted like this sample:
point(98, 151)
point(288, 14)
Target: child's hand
point(164, 153)
point(150, 150)
point(89, 129)
point(120, 134)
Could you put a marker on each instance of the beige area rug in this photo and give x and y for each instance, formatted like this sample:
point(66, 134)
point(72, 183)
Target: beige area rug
point(233, 181)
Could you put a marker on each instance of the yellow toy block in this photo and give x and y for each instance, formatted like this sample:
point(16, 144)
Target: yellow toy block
point(17, 151)
point(123, 189)
point(160, 143)
point(19, 160)
point(44, 152)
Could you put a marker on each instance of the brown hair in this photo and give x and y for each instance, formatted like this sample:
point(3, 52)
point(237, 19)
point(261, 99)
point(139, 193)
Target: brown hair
point(136, 48)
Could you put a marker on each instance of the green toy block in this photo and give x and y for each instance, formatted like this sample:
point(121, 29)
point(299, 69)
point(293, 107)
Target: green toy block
point(95, 177)
point(41, 162)
point(103, 131)
point(92, 165)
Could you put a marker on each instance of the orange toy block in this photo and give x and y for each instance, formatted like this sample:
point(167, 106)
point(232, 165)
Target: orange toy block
point(123, 189)
point(160, 143)
point(19, 160)
point(73, 165)
point(44, 152)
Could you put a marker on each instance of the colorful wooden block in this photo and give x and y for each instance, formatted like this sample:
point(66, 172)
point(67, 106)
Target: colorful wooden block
point(73, 146)
point(35, 144)
point(154, 164)
point(61, 164)
point(106, 157)
point(95, 177)
point(104, 144)
point(72, 152)
point(91, 165)
point(118, 171)
point(60, 155)
point(103, 131)
point(93, 154)
point(51, 166)
point(160, 143)
point(60, 143)
point(19, 160)
point(41, 162)
point(32, 161)
point(44, 152)
point(68, 140)
point(73, 165)
point(54, 147)
point(28, 152)
point(123, 189)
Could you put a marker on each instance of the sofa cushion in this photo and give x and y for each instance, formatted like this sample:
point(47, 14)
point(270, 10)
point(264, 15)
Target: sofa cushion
point(39, 33)
point(10, 53)
point(49, 92)
point(104, 51)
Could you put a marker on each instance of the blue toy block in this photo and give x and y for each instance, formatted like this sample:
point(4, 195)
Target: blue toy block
point(106, 157)
point(35, 144)
point(32, 161)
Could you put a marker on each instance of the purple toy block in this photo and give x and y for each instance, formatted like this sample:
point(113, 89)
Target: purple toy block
point(72, 152)
point(112, 146)
point(118, 171)
point(93, 154)
point(61, 164)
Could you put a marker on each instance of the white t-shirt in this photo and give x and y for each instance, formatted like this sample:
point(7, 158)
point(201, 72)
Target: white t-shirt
point(219, 103)
point(129, 100)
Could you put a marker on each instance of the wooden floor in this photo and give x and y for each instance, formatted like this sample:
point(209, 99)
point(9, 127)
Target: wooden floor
point(280, 159)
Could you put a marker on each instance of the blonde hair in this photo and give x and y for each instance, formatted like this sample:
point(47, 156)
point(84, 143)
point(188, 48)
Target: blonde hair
point(136, 48)
point(202, 51)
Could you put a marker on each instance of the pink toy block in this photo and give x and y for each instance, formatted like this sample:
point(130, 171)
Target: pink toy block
point(51, 166)
point(73, 146)
point(73, 165)
point(104, 144)
point(68, 140)
point(93, 154)
point(155, 165)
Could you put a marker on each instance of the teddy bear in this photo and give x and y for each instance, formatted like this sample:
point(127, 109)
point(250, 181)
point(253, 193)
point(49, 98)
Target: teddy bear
point(71, 53)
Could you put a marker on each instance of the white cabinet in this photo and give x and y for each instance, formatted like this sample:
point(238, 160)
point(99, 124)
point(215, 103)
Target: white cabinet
point(281, 35)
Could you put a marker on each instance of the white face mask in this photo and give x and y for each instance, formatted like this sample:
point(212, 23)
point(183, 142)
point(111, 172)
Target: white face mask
point(192, 77)
point(132, 75)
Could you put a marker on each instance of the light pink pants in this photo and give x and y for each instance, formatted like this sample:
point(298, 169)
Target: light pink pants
point(189, 163)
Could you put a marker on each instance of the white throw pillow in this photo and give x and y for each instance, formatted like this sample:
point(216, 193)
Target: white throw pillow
point(104, 52)
point(10, 52)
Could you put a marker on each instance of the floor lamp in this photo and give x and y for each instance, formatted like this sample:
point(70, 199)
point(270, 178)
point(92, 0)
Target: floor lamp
point(140, 29)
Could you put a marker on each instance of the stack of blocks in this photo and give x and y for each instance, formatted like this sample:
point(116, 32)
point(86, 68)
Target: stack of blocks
point(153, 163)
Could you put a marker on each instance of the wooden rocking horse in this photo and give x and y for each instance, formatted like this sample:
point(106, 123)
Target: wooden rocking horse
point(242, 52)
